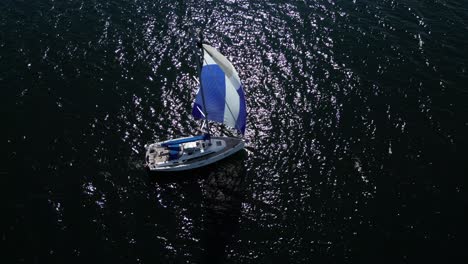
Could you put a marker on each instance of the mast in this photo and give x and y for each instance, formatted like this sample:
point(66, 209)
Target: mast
point(200, 66)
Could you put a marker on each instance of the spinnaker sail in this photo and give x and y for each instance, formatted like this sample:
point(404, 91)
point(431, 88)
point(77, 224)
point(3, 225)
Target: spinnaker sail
point(222, 91)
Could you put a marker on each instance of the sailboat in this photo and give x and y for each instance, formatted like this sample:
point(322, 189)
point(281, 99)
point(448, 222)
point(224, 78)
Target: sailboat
point(220, 98)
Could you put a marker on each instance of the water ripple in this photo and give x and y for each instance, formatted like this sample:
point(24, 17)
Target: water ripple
point(352, 107)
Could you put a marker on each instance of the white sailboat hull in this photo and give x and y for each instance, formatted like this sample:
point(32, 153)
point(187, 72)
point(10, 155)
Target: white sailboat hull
point(213, 150)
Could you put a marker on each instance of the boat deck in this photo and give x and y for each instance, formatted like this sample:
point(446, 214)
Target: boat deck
point(158, 157)
point(161, 155)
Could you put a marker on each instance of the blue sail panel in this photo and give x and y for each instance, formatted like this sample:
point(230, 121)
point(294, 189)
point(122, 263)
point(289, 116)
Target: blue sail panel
point(241, 119)
point(213, 82)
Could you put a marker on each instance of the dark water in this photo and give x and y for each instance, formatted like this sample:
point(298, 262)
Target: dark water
point(357, 126)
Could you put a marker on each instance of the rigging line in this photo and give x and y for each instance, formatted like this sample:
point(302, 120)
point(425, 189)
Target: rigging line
point(200, 67)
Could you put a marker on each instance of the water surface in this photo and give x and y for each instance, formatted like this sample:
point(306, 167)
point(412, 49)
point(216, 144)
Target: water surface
point(357, 124)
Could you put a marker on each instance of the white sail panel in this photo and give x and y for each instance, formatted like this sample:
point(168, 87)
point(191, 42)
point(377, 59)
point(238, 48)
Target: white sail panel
point(231, 109)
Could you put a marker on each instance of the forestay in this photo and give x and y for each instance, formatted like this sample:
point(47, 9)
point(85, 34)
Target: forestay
point(222, 89)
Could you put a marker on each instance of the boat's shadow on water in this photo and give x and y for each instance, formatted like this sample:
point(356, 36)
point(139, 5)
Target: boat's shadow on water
point(222, 188)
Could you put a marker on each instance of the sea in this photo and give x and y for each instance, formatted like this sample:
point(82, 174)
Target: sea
point(356, 132)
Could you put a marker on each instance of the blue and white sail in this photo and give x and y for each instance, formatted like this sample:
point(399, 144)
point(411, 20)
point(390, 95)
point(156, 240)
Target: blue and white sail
point(222, 91)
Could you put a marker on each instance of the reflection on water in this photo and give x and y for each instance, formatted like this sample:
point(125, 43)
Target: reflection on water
point(218, 189)
point(223, 193)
